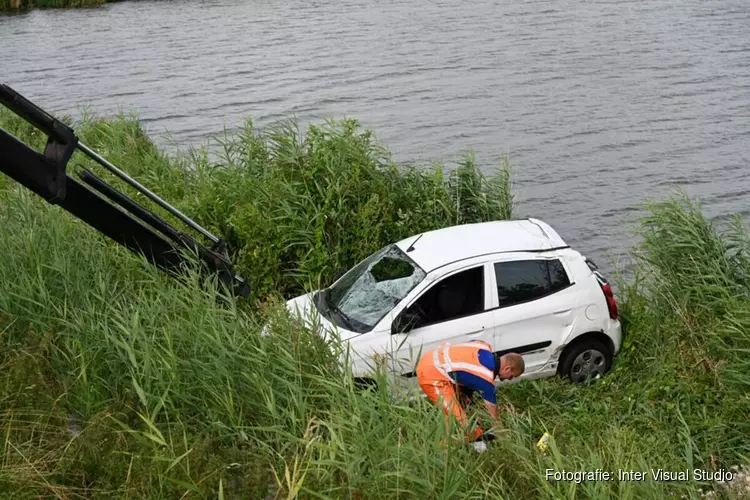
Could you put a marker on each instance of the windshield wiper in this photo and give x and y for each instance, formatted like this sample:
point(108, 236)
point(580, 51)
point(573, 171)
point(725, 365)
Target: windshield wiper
point(343, 316)
point(331, 306)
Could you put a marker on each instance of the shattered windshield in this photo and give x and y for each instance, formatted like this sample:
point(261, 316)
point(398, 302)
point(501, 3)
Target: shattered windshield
point(367, 292)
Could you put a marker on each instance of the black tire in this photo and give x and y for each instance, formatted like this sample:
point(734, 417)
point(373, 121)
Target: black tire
point(584, 361)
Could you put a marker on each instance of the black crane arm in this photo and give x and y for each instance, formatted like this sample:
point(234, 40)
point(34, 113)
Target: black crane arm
point(121, 218)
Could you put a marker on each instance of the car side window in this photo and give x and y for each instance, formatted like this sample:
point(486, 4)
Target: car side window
point(457, 295)
point(557, 275)
point(525, 280)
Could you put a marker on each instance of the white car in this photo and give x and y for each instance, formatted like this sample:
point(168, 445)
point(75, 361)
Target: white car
point(515, 284)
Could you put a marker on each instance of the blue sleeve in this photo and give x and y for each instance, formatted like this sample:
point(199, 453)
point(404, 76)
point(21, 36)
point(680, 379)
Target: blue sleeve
point(488, 360)
point(486, 389)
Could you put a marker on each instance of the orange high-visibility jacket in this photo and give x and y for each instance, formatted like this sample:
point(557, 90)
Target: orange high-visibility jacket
point(469, 364)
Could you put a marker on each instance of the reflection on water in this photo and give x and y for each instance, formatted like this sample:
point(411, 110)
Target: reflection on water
point(601, 104)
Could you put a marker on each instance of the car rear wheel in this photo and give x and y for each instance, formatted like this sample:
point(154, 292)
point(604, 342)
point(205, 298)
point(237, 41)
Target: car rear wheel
point(586, 361)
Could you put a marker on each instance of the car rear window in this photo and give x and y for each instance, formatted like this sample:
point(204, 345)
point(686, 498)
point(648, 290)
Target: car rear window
point(525, 280)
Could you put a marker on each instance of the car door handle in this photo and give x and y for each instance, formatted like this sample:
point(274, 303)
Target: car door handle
point(481, 330)
point(562, 313)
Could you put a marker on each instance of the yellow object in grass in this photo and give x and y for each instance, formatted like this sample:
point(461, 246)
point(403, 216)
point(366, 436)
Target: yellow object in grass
point(543, 442)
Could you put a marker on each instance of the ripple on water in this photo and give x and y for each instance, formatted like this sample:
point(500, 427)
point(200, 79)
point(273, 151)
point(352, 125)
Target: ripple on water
point(601, 104)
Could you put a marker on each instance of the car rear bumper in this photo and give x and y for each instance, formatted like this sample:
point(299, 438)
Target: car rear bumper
point(614, 332)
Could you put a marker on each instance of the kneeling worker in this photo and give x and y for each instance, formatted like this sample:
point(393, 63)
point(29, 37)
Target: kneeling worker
point(467, 367)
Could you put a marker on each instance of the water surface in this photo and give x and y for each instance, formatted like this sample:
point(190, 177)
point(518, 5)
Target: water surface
point(600, 104)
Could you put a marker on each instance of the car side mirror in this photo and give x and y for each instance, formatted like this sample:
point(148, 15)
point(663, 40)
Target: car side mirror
point(396, 325)
point(404, 322)
point(338, 275)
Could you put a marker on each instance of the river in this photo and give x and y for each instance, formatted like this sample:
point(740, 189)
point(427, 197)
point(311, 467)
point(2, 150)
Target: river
point(600, 104)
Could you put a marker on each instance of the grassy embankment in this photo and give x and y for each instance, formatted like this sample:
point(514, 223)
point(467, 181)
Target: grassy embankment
point(120, 382)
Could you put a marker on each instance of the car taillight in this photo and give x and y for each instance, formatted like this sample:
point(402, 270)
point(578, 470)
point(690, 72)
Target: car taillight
point(611, 302)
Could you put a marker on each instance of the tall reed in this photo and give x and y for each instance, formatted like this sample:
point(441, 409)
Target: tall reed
point(117, 381)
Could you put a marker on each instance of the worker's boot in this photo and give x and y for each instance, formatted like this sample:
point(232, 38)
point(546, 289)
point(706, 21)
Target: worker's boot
point(476, 434)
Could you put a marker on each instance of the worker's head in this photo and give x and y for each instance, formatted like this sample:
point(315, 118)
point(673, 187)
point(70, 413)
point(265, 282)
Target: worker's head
point(510, 366)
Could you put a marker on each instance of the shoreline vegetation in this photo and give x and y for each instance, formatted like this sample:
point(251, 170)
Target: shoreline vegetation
point(119, 382)
point(15, 5)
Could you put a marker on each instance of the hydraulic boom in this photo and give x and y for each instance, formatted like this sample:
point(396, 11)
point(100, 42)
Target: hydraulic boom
point(121, 218)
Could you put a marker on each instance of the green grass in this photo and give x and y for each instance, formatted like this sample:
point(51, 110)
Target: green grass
point(117, 381)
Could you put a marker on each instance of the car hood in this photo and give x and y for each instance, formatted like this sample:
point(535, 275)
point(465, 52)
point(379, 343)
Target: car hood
point(304, 308)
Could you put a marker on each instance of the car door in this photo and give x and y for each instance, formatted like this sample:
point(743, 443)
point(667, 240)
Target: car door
point(456, 308)
point(534, 302)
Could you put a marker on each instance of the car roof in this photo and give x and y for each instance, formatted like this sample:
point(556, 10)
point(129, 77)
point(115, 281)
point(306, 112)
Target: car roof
point(434, 249)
